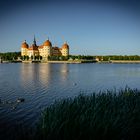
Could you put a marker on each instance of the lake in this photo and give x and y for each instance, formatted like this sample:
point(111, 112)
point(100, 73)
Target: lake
point(41, 84)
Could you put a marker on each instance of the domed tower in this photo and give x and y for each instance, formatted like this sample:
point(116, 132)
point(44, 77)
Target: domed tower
point(33, 49)
point(65, 49)
point(47, 47)
point(24, 49)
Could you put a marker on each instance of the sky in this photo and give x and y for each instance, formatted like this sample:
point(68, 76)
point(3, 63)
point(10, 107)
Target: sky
point(90, 27)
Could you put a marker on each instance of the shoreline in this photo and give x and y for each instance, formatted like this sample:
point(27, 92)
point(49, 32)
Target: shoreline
point(61, 62)
point(77, 62)
point(125, 61)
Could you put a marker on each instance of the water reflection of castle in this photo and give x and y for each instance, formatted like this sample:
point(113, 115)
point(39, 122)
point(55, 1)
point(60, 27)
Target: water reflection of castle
point(43, 74)
point(35, 73)
point(44, 50)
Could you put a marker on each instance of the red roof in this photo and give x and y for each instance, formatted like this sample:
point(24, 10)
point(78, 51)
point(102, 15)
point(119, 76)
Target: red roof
point(47, 43)
point(33, 47)
point(24, 45)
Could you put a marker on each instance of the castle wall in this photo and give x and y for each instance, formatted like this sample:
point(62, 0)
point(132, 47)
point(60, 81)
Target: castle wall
point(24, 52)
point(44, 51)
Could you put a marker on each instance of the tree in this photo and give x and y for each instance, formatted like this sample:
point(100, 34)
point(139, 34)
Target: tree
point(31, 57)
point(40, 57)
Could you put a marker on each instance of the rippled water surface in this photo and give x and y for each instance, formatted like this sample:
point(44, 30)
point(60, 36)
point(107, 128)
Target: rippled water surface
point(42, 84)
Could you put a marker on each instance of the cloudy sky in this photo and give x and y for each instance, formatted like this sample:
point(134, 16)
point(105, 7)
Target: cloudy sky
point(91, 27)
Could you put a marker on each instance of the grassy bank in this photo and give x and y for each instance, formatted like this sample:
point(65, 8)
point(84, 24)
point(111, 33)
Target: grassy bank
point(112, 115)
point(108, 115)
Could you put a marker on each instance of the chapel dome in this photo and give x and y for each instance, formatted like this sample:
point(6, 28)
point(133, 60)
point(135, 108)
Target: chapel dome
point(47, 43)
point(25, 45)
point(65, 46)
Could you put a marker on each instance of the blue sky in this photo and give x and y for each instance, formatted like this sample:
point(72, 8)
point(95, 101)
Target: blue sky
point(90, 27)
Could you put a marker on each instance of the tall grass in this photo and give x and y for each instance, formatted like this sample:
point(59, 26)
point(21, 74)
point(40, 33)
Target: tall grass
point(107, 115)
point(111, 115)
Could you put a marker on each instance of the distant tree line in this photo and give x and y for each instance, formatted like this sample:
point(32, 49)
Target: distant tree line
point(79, 57)
point(71, 57)
point(106, 58)
point(32, 57)
point(10, 55)
point(16, 55)
point(119, 57)
point(58, 58)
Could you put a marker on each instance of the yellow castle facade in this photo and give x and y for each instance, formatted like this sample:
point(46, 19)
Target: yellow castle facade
point(44, 50)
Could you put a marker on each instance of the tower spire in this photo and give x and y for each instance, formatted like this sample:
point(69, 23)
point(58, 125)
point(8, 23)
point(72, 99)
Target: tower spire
point(34, 40)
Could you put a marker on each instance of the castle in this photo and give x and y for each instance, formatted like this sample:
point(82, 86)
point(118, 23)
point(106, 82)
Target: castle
point(44, 50)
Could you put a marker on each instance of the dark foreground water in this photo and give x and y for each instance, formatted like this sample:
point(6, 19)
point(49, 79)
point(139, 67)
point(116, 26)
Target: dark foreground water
point(41, 84)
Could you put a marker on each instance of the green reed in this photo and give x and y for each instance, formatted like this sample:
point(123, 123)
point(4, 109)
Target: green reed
point(106, 115)
point(111, 115)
